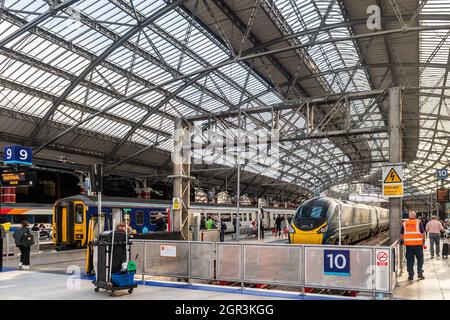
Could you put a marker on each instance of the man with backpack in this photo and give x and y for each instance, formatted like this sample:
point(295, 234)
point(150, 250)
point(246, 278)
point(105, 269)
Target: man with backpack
point(24, 240)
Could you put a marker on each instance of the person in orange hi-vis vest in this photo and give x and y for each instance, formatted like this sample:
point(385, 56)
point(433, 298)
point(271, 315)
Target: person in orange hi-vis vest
point(412, 235)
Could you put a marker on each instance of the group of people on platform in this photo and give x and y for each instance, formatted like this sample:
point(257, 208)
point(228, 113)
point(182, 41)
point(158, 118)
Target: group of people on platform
point(209, 223)
point(413, 234)
point(43, 231)
point(160, 225)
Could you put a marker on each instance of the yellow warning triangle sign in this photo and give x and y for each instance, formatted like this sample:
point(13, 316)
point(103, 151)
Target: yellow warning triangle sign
point(392, 177)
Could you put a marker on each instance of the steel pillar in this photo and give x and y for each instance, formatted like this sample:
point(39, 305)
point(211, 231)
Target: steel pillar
point(181, 158)
point(395, 156)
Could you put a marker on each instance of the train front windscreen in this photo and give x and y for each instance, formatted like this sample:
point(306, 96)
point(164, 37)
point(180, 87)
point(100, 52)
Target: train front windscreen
point(310, 216)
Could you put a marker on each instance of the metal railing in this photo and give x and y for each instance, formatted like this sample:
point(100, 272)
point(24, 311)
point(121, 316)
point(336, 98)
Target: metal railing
point(371, 269)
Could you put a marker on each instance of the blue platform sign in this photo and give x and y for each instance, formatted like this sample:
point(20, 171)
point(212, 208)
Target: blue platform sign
point(17, 155)
point(336, 262)
point(442, 174)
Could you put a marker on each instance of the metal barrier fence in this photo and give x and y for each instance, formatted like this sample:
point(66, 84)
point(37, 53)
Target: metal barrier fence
point(356, 268)
point(178, 259)
point(9, 245)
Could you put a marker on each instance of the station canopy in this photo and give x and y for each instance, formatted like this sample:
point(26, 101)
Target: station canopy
point(103, 81)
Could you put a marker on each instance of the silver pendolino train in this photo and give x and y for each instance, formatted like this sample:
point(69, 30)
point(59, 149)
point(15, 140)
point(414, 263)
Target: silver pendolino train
point(317, 221)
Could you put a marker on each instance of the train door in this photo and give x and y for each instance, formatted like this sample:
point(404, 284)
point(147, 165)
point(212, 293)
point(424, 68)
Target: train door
point(63, 223)
point(79, 210)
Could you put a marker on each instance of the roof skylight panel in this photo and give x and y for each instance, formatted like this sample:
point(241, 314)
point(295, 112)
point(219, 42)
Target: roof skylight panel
point(143, 137)
point(128, 112)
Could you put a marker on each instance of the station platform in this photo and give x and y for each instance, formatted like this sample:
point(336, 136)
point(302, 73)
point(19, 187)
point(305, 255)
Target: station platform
point(49, 278)
point(35, 285)
point(435, 286)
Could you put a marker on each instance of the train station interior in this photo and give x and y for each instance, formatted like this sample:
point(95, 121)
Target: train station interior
point(224, 149)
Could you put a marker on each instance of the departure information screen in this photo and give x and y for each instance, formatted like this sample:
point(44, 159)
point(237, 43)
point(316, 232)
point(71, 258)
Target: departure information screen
point(15, 176)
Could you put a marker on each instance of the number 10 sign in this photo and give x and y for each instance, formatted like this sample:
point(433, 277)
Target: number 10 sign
point(336, 262)
point(17, 155)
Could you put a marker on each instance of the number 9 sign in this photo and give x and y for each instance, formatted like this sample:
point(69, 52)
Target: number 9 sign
point(17, 155)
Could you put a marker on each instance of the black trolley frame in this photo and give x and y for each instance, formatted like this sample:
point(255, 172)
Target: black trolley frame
point(103, 267)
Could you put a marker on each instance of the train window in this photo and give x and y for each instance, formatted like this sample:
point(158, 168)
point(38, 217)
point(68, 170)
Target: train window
point(42, 219)
point(16, 219)
point(226, 217)
point(139, 218)
point(347, 216)
point(78, 213)
point(313, 212)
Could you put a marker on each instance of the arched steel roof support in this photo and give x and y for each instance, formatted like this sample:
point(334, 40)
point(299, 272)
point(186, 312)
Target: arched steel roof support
point(99, 59)
point(33, 23)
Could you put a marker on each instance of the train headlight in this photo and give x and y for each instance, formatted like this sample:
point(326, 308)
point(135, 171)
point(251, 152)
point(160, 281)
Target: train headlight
point(291, 230)
point(323, 229)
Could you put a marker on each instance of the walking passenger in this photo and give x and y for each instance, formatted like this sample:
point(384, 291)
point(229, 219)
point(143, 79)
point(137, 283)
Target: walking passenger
point(424, 223)
point(412, 235)
point(434, 229)
point(278, 226)
point(261, 226)
point(24, 245)
point(284, 226)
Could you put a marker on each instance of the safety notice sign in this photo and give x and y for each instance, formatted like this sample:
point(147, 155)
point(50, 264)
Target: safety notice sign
point(392, 177)
point(383, 258)
point(176, 204)
point(168, 251)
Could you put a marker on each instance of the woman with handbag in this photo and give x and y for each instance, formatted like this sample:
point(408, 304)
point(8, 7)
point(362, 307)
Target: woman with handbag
point(24, 240)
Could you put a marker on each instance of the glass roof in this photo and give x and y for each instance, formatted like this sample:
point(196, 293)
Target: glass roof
point(434, 112)
point(38, 66)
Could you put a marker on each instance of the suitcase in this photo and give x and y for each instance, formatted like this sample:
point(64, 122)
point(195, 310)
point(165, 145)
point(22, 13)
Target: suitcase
point(445, 249)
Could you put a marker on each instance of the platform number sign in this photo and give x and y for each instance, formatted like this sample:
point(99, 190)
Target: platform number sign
point(17, 155)
point(442, 174)
point(336, 262)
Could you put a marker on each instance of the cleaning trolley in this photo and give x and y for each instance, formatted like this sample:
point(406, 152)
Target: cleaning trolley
point(115, 270)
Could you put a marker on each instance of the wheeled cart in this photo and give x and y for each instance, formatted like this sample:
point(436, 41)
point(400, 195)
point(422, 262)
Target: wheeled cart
point(111, 288)
point(108, 275)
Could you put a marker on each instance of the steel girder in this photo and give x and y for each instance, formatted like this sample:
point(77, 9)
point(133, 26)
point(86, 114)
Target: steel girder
point(33, 23)
point(119, 42)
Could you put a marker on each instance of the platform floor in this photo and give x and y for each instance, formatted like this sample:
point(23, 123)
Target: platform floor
point(34, 285)
point(51, 260)
point(435, 286)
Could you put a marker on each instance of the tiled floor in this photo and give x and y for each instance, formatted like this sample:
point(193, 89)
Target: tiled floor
point(436, 285)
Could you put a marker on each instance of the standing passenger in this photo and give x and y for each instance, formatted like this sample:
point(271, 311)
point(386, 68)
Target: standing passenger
point(223, 227)
point(261, 226)
point(202, 223)
point(210, 223)
point(160, 223)
point(23, 246)
point(278, 226)
point(434, 228)
point(413, 235)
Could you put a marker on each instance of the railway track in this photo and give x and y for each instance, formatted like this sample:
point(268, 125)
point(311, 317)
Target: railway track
point(378, 240)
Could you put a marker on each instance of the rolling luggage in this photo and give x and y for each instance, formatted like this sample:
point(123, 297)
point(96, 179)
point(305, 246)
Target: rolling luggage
point(445, 249)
